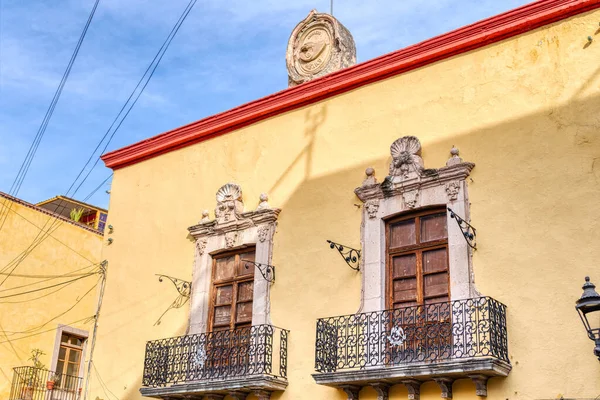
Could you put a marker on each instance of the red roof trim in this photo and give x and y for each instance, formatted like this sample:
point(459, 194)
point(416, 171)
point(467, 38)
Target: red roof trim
point(459, 41)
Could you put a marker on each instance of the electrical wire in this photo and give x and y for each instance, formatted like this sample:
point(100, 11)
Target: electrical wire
point(49, 330)
point(40, 297)
point(32, 223)
point(98, 188)
point(102, 384)
point(151, 69)
point(48, 287)
point(54, 318)
point(16, 186)
point(48, 279)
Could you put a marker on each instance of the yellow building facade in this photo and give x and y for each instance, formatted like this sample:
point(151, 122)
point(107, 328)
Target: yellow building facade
point(47, 300)
point(497, 121)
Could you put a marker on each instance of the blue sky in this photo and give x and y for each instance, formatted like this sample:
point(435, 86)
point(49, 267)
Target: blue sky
point(227, 53)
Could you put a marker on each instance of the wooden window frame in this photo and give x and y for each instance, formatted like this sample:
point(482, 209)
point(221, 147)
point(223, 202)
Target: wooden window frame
point(234, 282)
point(418, 248)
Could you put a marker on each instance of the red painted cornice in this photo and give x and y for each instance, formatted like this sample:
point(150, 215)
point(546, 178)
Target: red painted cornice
point(467, 38)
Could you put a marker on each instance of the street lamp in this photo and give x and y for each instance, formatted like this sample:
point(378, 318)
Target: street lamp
point(588, 307)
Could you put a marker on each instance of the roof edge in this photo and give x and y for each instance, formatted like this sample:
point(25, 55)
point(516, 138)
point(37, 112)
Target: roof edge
point(48, 212)
point(81, 203)
point(467, 38)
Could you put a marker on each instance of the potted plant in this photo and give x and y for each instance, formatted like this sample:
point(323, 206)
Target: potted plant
point(51, 381)
point(32, 375)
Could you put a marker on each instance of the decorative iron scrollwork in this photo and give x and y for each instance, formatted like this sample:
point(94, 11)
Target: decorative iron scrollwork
point(266, 270)
point(350, 255)
point(183, 287)
point(468, 231)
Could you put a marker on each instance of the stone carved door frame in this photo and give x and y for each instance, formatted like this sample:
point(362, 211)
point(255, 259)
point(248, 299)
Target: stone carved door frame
point(231, 229)
point(408, 187)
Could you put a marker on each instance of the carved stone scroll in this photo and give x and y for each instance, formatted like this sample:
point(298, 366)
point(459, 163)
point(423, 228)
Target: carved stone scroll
point(351, 391)
point(480, 382)
point(414, 389)
point(446, 385)
point(382, 389)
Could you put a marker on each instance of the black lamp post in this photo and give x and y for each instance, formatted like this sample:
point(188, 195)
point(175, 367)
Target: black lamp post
point(588, 307)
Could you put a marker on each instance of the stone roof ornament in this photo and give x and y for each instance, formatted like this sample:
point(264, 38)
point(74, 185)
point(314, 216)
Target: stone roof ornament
point(406, 157)
point(229, 203)
point(318, 45)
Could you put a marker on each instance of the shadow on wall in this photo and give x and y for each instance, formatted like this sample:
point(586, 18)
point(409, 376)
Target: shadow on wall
point(529, 174)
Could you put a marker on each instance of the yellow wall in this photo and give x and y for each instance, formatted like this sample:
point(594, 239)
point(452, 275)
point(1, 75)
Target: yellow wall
point(524, 110)
point(50, 257)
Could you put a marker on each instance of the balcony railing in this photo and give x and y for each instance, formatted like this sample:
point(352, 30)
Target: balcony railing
point(30, 383)
point(260, 350)
point(431, 333)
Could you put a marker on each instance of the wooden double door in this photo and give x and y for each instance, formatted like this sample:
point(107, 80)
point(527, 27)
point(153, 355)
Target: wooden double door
point(418, 285)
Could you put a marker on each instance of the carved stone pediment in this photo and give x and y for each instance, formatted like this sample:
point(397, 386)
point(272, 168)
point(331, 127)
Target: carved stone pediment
point(230, 215)
point(408, 175)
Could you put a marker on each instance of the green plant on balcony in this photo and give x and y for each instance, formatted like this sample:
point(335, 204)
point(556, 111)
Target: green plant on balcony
point(76, 214)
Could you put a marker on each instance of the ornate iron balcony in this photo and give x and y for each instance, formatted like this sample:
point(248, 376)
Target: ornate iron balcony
point(30, 383)
point(200, 359)
point(441, 331)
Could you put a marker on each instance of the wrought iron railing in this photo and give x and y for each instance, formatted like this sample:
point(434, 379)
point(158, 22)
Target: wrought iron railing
point(244, 352)
point(430, 333)
point(30, 383)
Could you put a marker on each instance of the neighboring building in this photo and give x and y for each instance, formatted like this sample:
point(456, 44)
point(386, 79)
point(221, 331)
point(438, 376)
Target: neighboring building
point(56, 317)
point(88, 214)
point(497, 121)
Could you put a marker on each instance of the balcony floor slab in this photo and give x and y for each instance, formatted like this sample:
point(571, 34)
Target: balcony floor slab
point(197, 389)
point(424, 371)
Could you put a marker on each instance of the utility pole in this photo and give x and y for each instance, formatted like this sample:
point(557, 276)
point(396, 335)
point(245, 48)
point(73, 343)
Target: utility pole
point(331, 8)
point(103, 269)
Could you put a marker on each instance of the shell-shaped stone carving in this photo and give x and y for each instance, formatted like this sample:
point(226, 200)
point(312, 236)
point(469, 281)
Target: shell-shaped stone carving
point(229, 192)
point(406, 145)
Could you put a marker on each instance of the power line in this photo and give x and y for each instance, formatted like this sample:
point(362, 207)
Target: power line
point(59, 241)
point(48, 287)
point(56, 317)
point(48, 279)
point(40, 297)
point(102, 384)
point(49, 330)
point(150, 72)
point(98, 188)
point(16, 186)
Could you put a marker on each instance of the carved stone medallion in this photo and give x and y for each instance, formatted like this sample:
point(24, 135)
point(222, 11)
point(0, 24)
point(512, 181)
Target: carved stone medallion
point(318, 46)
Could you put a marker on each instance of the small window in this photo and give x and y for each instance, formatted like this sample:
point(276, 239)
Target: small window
point(69, 355)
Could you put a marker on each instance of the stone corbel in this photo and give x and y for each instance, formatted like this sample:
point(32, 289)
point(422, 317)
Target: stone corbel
point(351, 391)
point(446, 385)
point(213, 397)
point(480, 382)
point(382, 389)
point(262, 394)
point(414, 389)
point(238, 395)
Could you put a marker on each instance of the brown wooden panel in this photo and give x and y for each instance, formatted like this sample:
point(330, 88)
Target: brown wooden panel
point(222, 316)
point(405, 289)
point(437, 300)
point(404, 265)
point(224, 295)
point(245, 291)
point(436, 284)
point(244, 312)
point(402, 233)
point(225, 268)
point(242, 270)
point(433, 227)
point(435, 260)
point(405, 304)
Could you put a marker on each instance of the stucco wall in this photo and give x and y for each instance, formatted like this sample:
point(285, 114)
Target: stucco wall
point(524, 111)
point(55, 255)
